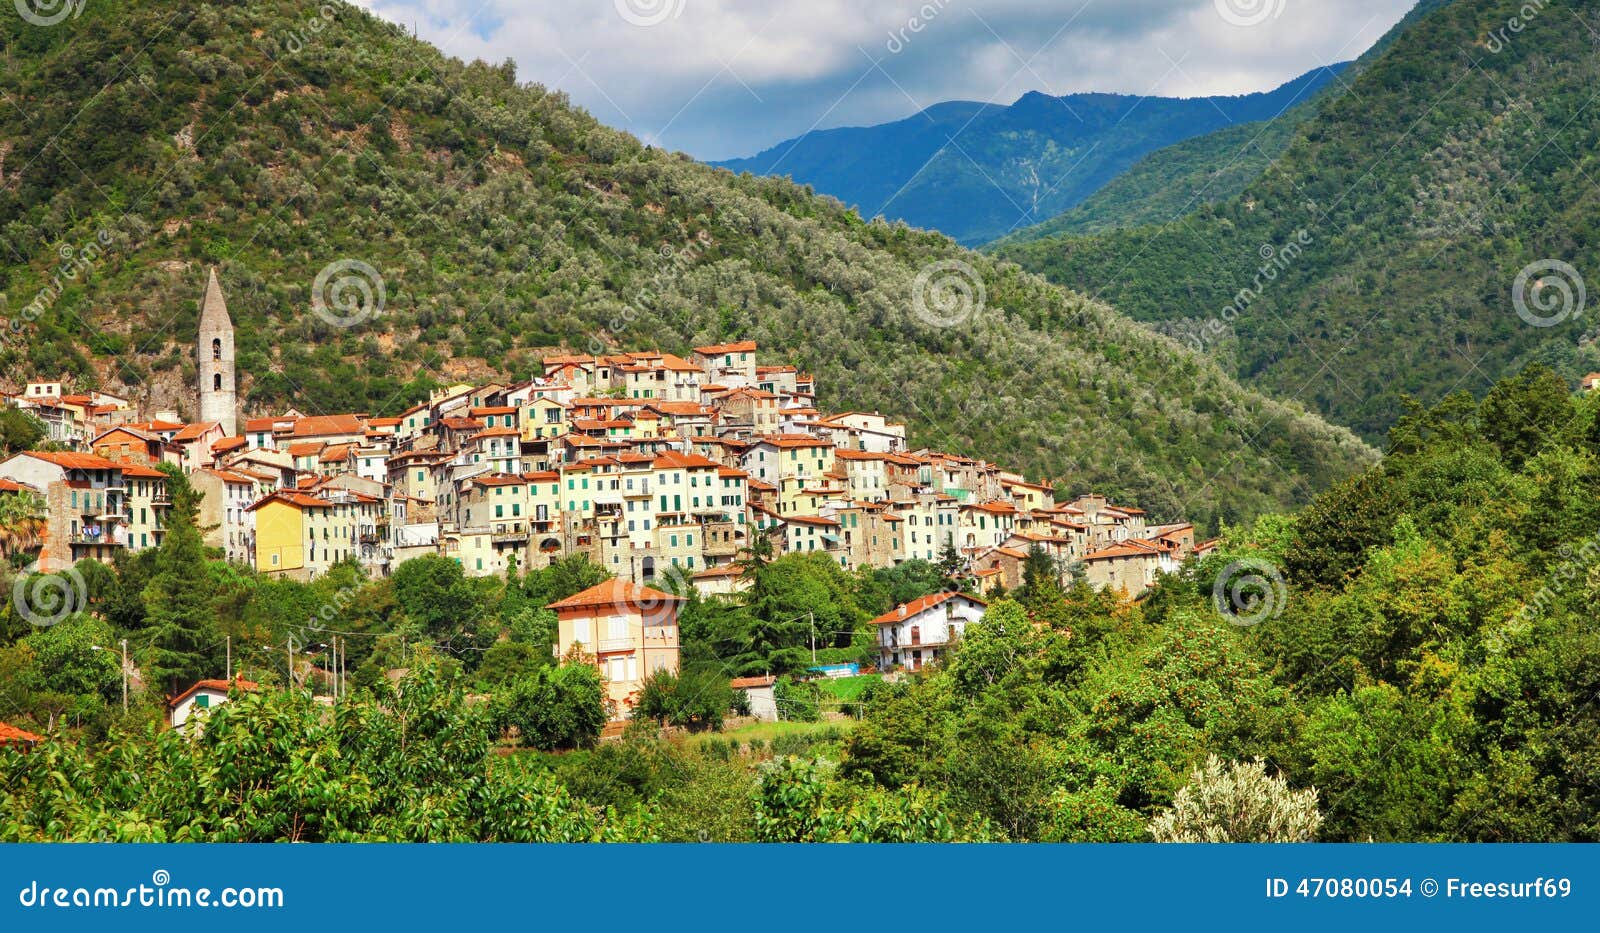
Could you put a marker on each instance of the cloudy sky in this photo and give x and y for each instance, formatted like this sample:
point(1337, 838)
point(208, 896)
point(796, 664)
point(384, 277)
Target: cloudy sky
point(725, 78)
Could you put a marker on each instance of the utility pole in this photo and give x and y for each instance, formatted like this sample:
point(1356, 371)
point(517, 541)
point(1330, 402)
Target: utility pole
point(288, 647)
point(230, 658)
point(813, 616)
point(124, 675)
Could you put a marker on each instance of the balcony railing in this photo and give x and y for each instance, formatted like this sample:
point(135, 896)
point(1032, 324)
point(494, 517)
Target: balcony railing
point(615, 644)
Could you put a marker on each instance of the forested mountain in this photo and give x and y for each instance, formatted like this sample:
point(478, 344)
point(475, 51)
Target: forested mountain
point(1179, 179)
point(1385, 252)
point(144, 140)
point(979, 171)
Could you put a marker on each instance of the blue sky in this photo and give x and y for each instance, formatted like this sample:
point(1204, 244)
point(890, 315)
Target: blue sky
point(725, 78)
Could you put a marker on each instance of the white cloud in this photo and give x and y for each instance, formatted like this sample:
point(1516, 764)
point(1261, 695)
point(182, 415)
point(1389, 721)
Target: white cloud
point(720, 78)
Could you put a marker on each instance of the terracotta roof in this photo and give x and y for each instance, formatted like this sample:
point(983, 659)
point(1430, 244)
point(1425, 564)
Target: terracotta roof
point(671, 459)
point(72, 461)
point(226, 444)
point(745, 683)
point(138, 471)
point(792, 440)
point(615, 592)
point(221, 685)
point(229, 476)
point(743, 346)
point(1129, 548)
point(317, 425)
point(11, 735)
point(921, 605)
point(195, 431)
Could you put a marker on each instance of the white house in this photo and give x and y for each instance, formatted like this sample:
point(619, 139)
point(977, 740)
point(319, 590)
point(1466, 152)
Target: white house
point(204, 695)
point(915, 633)
point(759, 692)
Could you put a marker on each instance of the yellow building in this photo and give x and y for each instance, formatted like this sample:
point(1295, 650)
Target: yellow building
point(301, 536)
point(628, 631)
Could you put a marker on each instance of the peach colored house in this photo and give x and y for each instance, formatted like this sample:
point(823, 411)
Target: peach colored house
point(630, 631)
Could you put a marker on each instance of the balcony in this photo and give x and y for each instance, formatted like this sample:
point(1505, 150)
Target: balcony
point(509, 536)
point(615, 644)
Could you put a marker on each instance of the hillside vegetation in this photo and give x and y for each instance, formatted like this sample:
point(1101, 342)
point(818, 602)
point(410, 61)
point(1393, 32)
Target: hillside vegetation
point(145, 140)
point(1381, 254)
point(1169, 183)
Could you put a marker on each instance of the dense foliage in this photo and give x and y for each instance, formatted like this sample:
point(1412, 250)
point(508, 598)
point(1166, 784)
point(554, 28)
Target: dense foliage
point(1423, 669)
point(1428, 666)
point(1393, 229)
point(272, 141)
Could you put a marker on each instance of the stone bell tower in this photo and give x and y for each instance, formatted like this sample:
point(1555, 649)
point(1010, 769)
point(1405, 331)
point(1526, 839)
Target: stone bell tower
point(219, 397)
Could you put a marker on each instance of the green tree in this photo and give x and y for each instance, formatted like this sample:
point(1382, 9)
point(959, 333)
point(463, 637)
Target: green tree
point(180, 635)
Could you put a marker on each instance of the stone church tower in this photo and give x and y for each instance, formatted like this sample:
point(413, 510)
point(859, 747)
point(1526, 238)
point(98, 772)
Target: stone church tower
point(219, 398)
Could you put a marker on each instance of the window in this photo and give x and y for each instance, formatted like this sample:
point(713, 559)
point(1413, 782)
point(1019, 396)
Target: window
point(216, 381)
point(216, 348)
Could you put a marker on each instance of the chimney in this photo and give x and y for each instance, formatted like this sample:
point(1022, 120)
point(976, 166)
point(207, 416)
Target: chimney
point(902, 610)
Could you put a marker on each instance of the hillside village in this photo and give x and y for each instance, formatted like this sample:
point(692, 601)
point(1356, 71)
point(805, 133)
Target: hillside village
point(652, 465)
point(643, 461)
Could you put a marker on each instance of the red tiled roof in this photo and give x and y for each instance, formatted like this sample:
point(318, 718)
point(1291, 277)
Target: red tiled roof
point(921, 605)
point(671, 459)
point(11, 735)
point(745, 683)
point(319, 425)
point(221, 685)
point(615, 592)
point(743, 346)
point(72, 461)
point(792, 440)
point(193, 432)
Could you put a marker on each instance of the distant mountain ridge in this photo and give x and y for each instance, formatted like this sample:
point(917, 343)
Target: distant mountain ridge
point(977, 171)
point(1180, 179)
point(1450, 202)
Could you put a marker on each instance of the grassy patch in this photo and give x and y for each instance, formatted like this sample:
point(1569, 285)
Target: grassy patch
point(847, 688)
